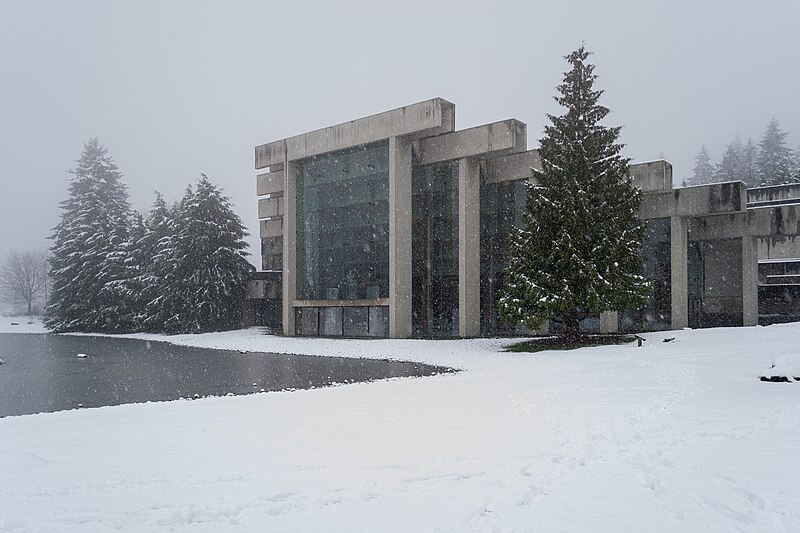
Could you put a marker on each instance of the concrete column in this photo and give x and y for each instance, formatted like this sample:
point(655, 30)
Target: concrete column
point(469, 241)
point(680, 273)
point(609, 322)
point(749, 281)
point(289, 246)
point(399, 237)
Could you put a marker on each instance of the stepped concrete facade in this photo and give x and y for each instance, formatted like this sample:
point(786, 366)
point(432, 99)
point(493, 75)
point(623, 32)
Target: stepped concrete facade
point(395, 225)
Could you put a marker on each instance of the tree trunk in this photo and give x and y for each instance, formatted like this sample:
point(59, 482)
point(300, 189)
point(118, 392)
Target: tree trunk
point(571, 326)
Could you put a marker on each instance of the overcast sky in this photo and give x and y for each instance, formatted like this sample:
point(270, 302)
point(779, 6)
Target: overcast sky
point(173, 89)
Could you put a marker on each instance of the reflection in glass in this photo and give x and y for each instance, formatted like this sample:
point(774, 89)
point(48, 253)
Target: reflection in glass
point(343, 224)
point(435, 250)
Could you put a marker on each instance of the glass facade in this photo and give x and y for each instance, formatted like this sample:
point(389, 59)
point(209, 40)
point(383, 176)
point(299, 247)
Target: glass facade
point(338, 321)
point(715, 283)
point(656, 314)
point(434, 250)
point(502, 208)
point(343, 226)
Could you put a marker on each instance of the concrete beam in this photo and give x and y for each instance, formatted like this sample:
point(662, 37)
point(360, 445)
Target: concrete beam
point(499, 138)
point(512, 167)
point(469, 248)
point(269, 183)
point(430, 117)
point(399, 237)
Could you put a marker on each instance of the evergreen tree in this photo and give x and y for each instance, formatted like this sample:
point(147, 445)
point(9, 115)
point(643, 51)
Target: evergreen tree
point(703, 169)
point(93, 225)
point(774, 162)
point(202, 266)
point(749, 155)
point(580, 250)
point(731, 166)
point(154, 249)
point(122, 295)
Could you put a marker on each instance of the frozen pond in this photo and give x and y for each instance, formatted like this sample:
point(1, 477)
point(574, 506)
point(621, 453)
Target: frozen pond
point(44, 373)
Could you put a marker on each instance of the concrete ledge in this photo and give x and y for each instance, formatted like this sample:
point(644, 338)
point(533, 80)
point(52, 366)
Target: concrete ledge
point(430, 117)
point(269, 183)
point(499, 138)
point(270, 207)
point(703, 200)
point(512, 167)
point(271, 228)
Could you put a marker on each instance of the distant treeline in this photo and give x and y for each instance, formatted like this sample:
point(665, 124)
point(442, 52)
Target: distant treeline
point(771, 162)
point(182, 269)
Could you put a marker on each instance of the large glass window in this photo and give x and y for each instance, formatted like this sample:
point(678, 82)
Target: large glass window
point(502, 208)
point(435, 250)
point(656, 314)
point(343, 225)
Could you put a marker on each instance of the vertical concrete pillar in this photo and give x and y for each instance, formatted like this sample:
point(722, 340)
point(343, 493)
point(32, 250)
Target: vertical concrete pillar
point(609, 322)
point(680, 272)
point(749, 281)
point(399, 237)
point(289, 246)
point(469, 240)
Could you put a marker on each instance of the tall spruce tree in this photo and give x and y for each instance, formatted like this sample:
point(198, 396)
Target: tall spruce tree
point(94, 222)
point(774, 162)
point(749, 154)
point(703, 171)
point(731, 167)
point(154, 249)
point(580, 250)
point(202, 266)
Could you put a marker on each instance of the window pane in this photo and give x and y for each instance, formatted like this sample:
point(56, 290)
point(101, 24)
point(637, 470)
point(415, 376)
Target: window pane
point(331, 321)
point(343, 224)
point(356, 321)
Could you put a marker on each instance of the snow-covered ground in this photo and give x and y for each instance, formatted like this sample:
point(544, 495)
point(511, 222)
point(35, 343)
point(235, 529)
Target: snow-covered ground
point(672, 436)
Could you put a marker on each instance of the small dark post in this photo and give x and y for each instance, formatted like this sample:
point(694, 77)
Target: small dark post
point(639, 340)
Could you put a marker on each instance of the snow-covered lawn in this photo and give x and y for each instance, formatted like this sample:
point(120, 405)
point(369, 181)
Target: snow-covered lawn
point(678, 436)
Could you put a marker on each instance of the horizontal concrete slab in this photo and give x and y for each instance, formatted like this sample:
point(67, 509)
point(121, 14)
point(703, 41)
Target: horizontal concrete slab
point(430, 117)
point(652, 175)
point(512, 167)
point(271, 228)
point(703, 200)
point(499, 138)
point(270, 207)
point(269, 183)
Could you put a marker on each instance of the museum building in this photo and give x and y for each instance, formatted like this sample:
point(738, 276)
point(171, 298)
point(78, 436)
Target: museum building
point(396, 225)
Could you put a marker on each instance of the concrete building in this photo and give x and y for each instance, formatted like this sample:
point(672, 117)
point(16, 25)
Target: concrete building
point(395, 225)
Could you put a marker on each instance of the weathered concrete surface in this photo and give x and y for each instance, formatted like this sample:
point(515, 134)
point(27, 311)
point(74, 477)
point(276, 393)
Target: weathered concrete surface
point(430, 117)
point(269, 183)
point(499, 138)
point(469, 248)
point(270, 207)
point(679, 273)
point(511, 167)
point(778, 194)
point(289, 248)
point(399, 237)
point(652, 175)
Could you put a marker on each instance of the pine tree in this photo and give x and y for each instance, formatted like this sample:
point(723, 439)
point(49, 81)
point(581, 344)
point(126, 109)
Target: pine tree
point(703, 169)
point(580, 250)
point(202, 265)
point(122, 296)
point(731, 166)
point(774, 162)
point(93, 225)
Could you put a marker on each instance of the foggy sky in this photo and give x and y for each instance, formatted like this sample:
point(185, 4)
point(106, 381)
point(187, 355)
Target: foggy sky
point(173, 89)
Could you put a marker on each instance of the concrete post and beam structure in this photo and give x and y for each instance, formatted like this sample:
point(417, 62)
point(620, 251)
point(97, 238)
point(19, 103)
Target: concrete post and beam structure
point(358, 253)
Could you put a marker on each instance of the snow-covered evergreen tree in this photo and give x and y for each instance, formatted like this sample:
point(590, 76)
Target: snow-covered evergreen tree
point(703, 171)
point(202, 266)
point(156, 245)
point(93, 225)
point(580, 250)
point(122, 296)
point(774, 162)
point(731, 167)
point(749, 154)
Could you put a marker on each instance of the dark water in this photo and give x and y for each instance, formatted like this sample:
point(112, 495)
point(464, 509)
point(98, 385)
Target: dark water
point(43, 373)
